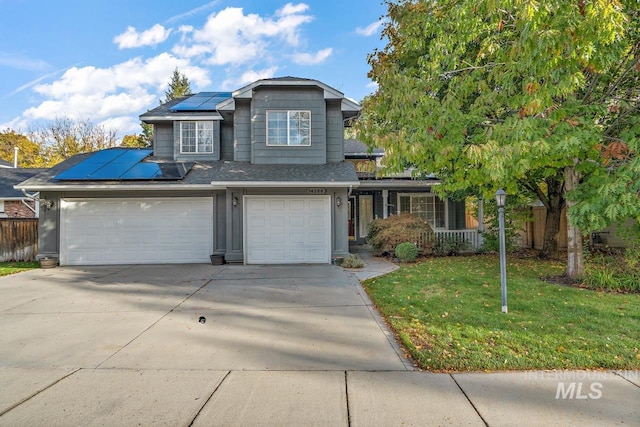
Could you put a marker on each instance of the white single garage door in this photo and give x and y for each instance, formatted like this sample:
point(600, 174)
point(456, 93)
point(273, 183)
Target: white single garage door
point(287, 230)
point(136, 231)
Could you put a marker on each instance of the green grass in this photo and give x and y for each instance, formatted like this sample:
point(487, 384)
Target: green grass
point(447, 313)
point(7, 268)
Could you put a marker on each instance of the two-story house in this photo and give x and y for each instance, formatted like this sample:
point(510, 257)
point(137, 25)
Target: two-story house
point(257, 175)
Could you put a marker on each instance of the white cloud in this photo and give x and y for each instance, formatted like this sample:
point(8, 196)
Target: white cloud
point(370, 29)
point(249, 76)
point(312, 58)
point(292, 9)
point(231, 37)
point(117, 94)
point(151, 37)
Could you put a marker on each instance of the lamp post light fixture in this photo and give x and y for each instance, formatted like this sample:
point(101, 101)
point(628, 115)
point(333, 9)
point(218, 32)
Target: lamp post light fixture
point(501, 198)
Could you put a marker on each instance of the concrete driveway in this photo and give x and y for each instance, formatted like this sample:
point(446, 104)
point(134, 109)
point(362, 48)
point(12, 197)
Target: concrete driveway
point(301, 345)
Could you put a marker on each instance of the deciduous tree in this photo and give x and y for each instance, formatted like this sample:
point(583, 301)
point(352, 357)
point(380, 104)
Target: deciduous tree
point(28, 151)
point(534, 96)
point(65, 137)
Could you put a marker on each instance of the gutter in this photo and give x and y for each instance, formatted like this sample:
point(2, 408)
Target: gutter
point(223, 185)
point(109, 187)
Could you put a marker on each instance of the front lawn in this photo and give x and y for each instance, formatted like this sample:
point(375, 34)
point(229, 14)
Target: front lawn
point(447, 313)
point(7, 268)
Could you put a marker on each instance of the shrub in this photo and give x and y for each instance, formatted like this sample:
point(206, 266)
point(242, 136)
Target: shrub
point(353, 261)
point(385, 234)
point(446, 246)
point(406, 252)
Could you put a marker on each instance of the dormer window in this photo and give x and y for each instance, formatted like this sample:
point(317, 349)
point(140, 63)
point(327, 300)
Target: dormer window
point(288, 128)
point(196, 137)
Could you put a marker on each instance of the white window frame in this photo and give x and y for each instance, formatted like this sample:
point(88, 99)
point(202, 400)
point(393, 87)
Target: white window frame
point(197, 145)
point(430, 195)
point(1, 206)
point(364, 218)
point(289, 128)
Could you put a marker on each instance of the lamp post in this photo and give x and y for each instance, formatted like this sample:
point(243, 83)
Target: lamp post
point(501, 198)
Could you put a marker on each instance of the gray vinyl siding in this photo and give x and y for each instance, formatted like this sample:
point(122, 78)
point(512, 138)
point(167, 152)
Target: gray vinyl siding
point(242, 131)
point(163, 140)
point(226, 140)
point(49, 227)
point(197, 156)
point(303, 98)
point(335, 132)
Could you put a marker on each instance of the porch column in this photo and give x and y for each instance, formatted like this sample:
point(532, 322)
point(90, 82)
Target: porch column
point(385, 203)
point(480, 221)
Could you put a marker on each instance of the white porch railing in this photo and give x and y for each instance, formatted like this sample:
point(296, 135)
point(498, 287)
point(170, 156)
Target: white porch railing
point(471, 237)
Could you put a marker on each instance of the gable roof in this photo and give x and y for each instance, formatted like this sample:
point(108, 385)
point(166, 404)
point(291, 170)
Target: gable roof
point(164, 112)
point(10, 177)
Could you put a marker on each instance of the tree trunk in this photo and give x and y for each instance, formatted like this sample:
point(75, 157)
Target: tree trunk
point(575, 257)
point(555, 204)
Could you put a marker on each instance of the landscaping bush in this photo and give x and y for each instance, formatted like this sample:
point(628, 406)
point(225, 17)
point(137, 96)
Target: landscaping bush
point(406, 252)
point(353, 261)
point(447, 246)
point(613, 271)
point(386, 234)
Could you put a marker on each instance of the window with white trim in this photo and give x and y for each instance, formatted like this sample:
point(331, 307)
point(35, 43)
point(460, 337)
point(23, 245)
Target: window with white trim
point(427, 206)
point(196, 137)
point(288, 128)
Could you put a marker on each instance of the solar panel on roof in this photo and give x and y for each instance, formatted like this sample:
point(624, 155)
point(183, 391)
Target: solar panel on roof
point(123, 164)
point(149, 170)
point(119, 165)
point(203, 101)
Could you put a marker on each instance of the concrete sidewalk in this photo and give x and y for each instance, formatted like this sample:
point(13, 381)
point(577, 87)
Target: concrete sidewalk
point(279, 346)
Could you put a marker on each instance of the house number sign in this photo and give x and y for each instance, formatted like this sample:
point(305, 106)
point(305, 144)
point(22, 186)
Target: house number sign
point(316, 191)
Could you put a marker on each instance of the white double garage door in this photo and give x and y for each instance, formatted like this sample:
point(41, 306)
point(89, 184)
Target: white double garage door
point(180, 230)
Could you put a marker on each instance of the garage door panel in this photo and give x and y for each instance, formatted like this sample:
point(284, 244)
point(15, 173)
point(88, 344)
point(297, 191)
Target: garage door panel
point(298, 229)
point(116, 231)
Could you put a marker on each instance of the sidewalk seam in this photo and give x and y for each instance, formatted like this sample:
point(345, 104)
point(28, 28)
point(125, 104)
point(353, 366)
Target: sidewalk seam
point(12, 407)
point(625, 378)
point(208, 399)
point(469, 400)
point(346, 394)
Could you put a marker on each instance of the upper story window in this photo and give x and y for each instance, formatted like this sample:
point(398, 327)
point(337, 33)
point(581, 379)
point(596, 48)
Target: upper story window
point(196, 137)
point(289, 128)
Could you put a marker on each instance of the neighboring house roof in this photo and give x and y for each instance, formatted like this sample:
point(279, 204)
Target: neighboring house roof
point(204, 175)
point(355, 148)
point(10, 177)
point(5, 164)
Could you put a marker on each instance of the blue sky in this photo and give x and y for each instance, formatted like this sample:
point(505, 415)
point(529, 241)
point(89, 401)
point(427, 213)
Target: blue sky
point(110, 61)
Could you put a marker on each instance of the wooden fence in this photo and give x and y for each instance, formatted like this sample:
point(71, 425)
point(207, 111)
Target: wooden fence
point(18, 239)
